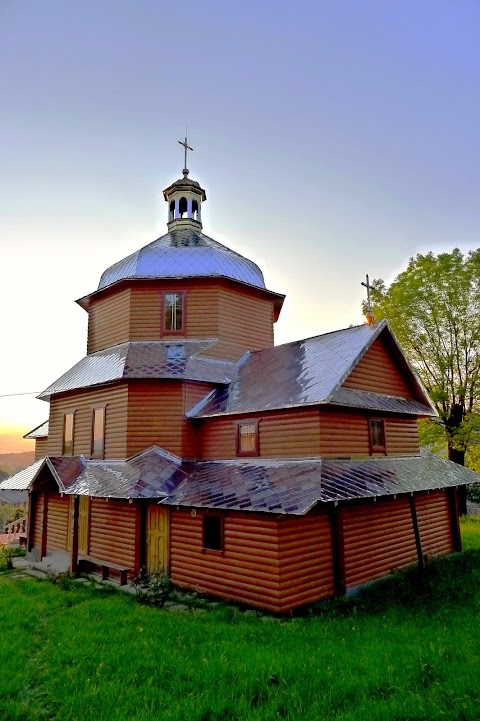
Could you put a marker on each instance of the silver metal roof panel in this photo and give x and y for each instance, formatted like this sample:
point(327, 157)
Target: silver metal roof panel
point(184, 253)
point(40, 431)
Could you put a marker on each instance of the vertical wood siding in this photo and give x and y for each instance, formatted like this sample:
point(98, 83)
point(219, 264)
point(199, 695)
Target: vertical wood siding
point(113, 531)
point(434, 522)
point(108, 320)
point(306, 563)
point(82, 403)
point(57, 522)
point(41, 448)
point(38, 506)
point(287, 433)
point(378, 371)
point(378, 538)
point(248, 571)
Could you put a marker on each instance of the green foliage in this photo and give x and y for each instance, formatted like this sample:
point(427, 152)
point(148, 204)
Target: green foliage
point(154, 590)
point(6, 555)
point(433, 307)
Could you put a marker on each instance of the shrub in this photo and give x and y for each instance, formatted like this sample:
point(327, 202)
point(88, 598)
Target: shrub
point(154, 590)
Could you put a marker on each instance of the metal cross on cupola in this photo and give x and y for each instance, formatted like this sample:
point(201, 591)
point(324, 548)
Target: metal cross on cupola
point(369, 314)
point(186, 147)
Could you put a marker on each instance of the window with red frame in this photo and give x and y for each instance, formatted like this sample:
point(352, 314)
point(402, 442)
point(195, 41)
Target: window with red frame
point(247, 439)
point(376, 428)
point(173, 312)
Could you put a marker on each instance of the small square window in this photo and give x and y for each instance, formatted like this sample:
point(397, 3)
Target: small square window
point(98, 433)
point(376, 427)
point(247, 439)
point(68, 422)
point(212, 533)
point(173, 312)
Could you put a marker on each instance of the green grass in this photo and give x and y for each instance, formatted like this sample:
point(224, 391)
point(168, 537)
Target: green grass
point(407, 648)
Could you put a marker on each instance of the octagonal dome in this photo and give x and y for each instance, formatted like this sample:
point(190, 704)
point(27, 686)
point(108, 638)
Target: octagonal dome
point(184, 253)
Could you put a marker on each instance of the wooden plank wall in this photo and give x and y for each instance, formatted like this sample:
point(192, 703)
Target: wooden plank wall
point(282, 433)
point(345, 433)
point(41, 448)
point(378, 538)
point(37, 501)
point(306, 560)
point(434, 522)
point(192, 394)
point(109, 320)
point(155, 415)
point(378, 372)
point(57, 522)
point(113, 531)
point(247, 572)
point(82, 403)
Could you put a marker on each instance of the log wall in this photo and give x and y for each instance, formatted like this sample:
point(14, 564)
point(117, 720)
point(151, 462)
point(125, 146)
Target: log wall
point(37, 506)
point(345, 433)
point(306, 559)
point(82, 403)
point(41, 448)
point(434, 522)
point(378, 538)
point(113, 531)
point(282, 433)
point(378, 372)
point(109, 320)
point(57, 522)
point(247, 571)
point(155, 416)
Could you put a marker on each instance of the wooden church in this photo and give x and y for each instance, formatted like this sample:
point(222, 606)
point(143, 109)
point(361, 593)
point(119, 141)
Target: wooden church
point(186, 442)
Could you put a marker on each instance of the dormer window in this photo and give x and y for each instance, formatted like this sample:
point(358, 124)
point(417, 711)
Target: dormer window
point(173, 312)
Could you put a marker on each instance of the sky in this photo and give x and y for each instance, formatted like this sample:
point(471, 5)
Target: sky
point(333, 139)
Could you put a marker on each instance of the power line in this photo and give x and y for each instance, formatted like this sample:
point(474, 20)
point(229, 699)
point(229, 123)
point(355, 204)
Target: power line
point(13, 395)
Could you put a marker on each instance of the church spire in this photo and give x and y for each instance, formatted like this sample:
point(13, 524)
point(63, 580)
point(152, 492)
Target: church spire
point(184, 197)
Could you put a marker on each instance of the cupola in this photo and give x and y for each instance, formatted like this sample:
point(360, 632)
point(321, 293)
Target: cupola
point(184, 197)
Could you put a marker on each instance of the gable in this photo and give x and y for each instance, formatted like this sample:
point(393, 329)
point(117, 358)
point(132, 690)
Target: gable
point(381, 370)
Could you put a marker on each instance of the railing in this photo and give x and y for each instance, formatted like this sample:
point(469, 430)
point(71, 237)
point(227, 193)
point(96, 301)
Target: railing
point(16, 530)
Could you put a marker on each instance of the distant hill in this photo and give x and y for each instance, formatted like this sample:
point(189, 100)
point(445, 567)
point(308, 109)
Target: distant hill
point(13, 462)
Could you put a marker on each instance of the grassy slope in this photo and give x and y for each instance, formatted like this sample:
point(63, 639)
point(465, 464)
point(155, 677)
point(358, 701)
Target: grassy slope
point(405, 649)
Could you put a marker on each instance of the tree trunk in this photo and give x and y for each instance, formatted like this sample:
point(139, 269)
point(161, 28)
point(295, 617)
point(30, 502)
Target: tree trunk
point(458, 456)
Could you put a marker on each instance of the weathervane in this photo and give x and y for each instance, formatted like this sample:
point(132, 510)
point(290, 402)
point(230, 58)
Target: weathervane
point(369, 314)
point(186, 147)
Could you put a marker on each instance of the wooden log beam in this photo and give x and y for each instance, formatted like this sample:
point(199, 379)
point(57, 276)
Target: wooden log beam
point(416, 531)
point(453, 501)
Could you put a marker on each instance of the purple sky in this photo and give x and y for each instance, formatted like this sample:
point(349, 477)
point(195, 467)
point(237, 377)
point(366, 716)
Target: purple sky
point(333, 139)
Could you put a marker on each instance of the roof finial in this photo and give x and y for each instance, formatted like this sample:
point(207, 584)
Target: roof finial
point(186, 147)
point(369, 314)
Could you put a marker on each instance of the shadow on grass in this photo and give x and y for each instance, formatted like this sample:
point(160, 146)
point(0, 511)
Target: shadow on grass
point(453, 580)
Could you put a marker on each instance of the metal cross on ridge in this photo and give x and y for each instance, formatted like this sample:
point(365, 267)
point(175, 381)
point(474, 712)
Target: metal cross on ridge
point(368, 287)
point(186, 147)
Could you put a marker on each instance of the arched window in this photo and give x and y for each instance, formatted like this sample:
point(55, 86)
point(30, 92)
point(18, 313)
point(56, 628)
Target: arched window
point(182, 207)
point(171, 214)
point(194, 210)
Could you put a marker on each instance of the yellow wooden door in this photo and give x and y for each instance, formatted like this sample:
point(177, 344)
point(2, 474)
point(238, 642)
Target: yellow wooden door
point(83, 525)
point(157, 539)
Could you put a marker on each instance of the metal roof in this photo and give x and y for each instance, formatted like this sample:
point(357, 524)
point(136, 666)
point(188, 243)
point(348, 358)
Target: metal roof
point(308, 372)
point(40, 431)
point(184, 253)
point(290, 486)
point(13, 497)
point(155, 359)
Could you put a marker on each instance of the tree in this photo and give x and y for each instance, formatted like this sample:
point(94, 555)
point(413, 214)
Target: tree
point(433, 308)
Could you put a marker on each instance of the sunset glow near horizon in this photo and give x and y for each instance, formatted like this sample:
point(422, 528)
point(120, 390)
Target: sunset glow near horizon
point(333, 140)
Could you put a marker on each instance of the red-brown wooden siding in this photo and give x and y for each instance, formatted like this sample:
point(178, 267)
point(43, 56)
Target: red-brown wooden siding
point(41, 448)
point(283, 433)
point(378, 371)
point(57, 522)
point(113, 531)
point(248, 571)
point(82, 403)
point(345, 433)
point(109, 320)
point(192, 394)
point(378, 538)
point(305, 556)
point(155, 416)
point(434, 522)
point(37, 506)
